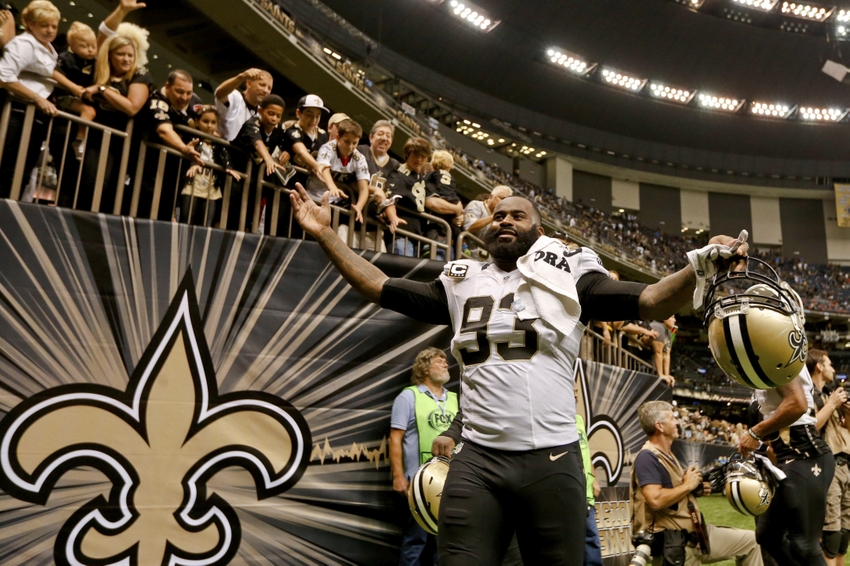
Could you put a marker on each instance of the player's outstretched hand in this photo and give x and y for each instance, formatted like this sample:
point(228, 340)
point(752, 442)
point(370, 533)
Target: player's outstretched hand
point(739, 245)
point(311, 216)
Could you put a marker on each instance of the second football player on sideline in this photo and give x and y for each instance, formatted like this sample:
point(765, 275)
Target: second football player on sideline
point(790, 530)
point(519, 469)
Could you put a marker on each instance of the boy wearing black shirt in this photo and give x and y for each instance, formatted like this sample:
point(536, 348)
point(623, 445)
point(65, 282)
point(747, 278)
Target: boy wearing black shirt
point(406, 190)
point(263, 138)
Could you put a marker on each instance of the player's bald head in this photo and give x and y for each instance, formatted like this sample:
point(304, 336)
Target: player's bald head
point(517, 202)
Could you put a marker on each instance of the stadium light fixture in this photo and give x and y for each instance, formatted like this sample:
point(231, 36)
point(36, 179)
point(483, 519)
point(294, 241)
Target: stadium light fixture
point(472, 15)
point(622, 80)
point(569, 61)
point(670, 93)
point(812, 114)
point(721, 103)
point(843, 16)
point(333, 54)
point(771, 109)
point(763, 5)
point(692, 4)
point(807, 11)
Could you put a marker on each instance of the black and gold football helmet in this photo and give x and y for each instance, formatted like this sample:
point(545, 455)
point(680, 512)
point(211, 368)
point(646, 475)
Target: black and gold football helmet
point(747, 487)
point(755, 325)
point(425, 491)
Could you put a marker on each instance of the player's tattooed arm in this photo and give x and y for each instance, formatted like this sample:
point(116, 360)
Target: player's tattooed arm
point(366, 279)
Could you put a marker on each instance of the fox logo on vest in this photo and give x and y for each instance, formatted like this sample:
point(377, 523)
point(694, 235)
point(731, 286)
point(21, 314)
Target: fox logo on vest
point(438, 420)
point(158, 442)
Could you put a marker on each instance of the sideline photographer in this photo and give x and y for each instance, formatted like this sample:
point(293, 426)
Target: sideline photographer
point(664, 502)
point(833, 420)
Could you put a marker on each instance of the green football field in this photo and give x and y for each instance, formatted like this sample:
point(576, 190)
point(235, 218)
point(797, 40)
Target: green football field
point(717, 511)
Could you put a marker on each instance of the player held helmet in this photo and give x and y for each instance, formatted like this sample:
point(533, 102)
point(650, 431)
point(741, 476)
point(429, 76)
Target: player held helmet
point(747, 488)
point(755, 326)
point(425, 491)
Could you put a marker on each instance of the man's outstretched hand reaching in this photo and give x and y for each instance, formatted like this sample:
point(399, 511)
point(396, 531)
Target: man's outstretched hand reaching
point(312, 217)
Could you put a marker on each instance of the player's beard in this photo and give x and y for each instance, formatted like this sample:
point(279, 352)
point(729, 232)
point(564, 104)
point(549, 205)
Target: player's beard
point(441, 377)
point(510, 251)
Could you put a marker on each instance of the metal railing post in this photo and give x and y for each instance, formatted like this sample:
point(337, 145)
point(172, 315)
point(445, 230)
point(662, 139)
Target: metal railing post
point(23, 151)
point(122, 169)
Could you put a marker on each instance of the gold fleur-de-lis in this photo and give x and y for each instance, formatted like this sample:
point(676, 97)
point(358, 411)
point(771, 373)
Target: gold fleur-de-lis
point(603, 435)
point(158, 442)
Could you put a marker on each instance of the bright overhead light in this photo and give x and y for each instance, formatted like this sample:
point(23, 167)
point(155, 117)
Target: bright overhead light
point(813, 114)
point(673, 94)
point(569, 61)
point(693, 4)
point(771, 109)
point(720, 103)
point(472, 15)
point(843, 16)
point(622, 80)
point(765, 5)
point(807, 11)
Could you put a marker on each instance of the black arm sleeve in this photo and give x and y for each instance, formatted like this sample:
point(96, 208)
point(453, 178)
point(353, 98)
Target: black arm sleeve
point(426, 302)
point(455, 428)
point(602, 298)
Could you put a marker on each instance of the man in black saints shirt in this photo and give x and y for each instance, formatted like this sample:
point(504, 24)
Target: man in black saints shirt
point(167, 107)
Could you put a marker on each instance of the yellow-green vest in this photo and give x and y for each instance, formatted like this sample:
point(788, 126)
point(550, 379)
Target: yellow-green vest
point(432, 419)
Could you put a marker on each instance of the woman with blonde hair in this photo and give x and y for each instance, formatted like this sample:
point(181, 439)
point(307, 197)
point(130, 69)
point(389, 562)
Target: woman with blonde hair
point(120, 90)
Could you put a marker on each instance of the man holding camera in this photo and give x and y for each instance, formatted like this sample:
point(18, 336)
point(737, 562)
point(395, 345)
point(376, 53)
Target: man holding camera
point(664, 501)
point(833, 419)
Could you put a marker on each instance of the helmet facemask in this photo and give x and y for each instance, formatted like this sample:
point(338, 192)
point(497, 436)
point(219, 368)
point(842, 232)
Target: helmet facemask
point(755, 325)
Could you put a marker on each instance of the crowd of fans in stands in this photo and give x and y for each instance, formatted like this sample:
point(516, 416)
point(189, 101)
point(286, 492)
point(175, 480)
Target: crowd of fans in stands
point(698, 427)
point(102, 78)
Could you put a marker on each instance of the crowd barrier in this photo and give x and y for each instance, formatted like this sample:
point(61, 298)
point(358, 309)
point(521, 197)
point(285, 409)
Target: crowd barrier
point(157, 174)
point(594, 348)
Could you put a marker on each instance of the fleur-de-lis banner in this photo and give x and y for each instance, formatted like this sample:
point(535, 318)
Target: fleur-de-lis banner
point(186, 396)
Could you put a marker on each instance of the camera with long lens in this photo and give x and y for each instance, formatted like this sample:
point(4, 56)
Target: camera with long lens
point(716, 476)
point(642, 542)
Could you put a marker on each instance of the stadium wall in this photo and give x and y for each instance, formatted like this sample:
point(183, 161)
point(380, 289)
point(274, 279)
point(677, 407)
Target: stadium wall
point(224, 393)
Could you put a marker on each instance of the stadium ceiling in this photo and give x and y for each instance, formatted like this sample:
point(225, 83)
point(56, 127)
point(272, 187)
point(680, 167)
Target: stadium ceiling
point(737, 68)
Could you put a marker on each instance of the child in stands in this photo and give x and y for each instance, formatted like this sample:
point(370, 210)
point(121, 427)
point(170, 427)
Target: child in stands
point(200, 197)
point(77, 65)
point(342, 165)
point(262, 134)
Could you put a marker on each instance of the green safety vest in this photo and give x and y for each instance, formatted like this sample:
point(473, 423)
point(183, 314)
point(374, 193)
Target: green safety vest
point(585, 458)
point(431, 420)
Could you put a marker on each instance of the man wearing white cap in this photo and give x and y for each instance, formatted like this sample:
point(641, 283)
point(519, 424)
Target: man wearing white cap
point(333, 123)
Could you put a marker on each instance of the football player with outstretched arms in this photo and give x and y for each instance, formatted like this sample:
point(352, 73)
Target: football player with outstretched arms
point(517, 326)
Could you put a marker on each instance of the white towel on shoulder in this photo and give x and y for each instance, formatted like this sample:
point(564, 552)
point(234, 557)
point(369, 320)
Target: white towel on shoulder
point(548, 291)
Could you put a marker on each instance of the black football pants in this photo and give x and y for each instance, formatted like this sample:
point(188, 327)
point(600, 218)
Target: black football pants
point(791, 527)
point(490, 494)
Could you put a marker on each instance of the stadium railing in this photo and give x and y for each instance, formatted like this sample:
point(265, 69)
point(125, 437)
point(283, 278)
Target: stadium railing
point(593, 348)
point(66, 121)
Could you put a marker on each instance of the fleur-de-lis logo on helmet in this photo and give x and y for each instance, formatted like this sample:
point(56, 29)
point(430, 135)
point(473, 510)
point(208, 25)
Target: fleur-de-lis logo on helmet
point(159, 443)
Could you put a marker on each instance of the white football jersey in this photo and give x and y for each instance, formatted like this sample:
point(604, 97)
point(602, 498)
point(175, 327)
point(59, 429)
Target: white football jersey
point(769, 400)
point(355, 170)
point(517, 376)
